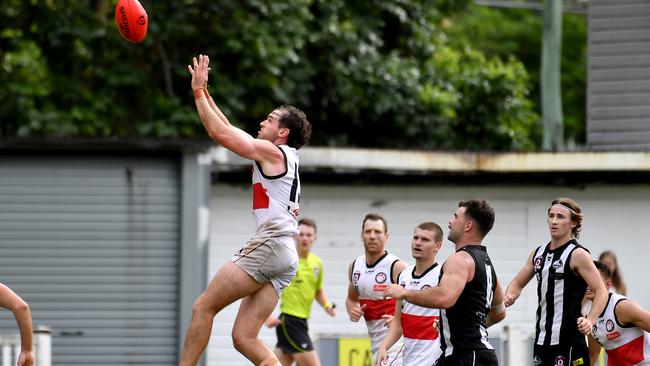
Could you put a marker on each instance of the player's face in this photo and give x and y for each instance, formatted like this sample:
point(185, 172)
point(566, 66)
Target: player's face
point(270, 128)
point(424, 244)
point(457, 225)
point(306, 238)
point(374, 236)
point(559, 222)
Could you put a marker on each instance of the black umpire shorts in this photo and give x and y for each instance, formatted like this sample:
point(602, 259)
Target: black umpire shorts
point(293, 335)
point(482, 357)
point(561, 355)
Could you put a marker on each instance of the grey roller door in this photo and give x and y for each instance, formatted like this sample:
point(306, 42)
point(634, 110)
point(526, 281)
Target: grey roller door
point(92, 244)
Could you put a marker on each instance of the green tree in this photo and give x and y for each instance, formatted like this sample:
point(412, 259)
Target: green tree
point(368, 73)
point(505, 33)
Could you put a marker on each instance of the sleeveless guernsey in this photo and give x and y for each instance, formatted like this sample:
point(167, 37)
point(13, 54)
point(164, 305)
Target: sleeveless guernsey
point(420, 324)
point(560, 293)
point(276, 198)
point(370, 281)
point(463, 325)
point(626, 345)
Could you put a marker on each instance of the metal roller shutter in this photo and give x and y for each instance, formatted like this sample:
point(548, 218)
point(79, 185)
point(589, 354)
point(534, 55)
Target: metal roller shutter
point(91, 243)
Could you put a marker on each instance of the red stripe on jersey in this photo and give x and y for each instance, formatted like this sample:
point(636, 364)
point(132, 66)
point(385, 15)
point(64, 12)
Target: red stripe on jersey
point(260, 198)
point(419, 327)
point(376, 308)
point(627, 354)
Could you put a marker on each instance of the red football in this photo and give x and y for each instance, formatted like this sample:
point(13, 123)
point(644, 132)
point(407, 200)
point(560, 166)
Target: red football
point(131, 20)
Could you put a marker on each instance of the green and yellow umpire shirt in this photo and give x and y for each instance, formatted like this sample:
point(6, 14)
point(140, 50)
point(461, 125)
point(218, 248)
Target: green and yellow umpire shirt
point(297, 298)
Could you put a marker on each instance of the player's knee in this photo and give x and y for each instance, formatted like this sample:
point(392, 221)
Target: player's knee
point(202, 305)
point(240, 341)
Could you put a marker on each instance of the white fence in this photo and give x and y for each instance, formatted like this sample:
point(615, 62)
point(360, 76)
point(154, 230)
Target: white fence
point(10, 345)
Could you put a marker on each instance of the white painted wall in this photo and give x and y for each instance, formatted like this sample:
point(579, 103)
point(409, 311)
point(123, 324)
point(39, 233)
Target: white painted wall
point(615, 218)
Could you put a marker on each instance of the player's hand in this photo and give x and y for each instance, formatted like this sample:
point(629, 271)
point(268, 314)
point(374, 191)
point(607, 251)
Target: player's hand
point(331, 311)
point(26, 359)
point(584, 325)
point(199, 71)
point(272, 322)
point(388, 319)
point(357, 312)
point(509, 299)
point(394, 291)
point(382, 357)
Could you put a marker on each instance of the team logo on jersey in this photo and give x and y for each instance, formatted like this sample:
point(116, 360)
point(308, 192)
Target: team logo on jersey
point(609, 325)
point(560, 361)
point(594, 330)
point(425, 287)
point(355, 276)
point(403, 284)
point(558, 264)
point(537, 361)
point(380, 277)
point(538, 263)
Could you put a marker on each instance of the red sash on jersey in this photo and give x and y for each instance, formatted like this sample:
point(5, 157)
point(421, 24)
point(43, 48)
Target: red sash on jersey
point(627, 354)
point(376, 308)
point(419, 326)
point(260, 198)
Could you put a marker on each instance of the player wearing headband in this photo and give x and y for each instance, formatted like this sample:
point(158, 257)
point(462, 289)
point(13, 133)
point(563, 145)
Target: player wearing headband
point(563, 269)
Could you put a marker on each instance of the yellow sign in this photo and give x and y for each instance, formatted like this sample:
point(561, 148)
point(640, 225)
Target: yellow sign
point(355, 352)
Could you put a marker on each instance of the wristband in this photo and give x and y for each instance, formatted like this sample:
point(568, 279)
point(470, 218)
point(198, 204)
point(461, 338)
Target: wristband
point(198, 93)
point(329, 305)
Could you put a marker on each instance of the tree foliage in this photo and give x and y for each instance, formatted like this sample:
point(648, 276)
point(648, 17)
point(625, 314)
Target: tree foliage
point(368, 73)
point(504, 33)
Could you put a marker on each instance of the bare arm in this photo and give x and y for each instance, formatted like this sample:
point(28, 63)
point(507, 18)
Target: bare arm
point(9, 300)
point(355, 312)
point(219, 128)
point(321, 298)
point(457, 271)
point(583, 264)
point(393, 334)
point(594, 350)
point(525, 274)
point(497, 311)
point(630, 312)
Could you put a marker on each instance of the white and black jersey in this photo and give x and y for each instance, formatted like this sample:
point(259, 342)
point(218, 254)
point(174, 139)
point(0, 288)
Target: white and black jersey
point(463, 325)
point(560, 292)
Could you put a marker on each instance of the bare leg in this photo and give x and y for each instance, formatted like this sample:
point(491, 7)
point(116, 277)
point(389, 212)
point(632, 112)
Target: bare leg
point(285, 359)
point(253, 311)
point(307, 358)
point(228, 285)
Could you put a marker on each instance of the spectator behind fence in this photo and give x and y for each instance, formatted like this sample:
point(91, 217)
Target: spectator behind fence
point(10, 301)
point(608, 258)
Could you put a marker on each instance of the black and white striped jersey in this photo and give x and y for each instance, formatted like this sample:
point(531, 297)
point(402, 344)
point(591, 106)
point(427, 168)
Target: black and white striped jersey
point(463, 325)
point(560, 292)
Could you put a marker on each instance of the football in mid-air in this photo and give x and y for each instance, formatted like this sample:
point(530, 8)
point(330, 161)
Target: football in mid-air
point(131, 20)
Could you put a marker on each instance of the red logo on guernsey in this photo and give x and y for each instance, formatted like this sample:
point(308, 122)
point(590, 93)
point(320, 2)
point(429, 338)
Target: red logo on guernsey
point(260, 198)
point(614, 335)
point(380, 288)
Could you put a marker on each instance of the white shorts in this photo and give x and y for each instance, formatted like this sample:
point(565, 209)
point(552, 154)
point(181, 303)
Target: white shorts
point(271, 259)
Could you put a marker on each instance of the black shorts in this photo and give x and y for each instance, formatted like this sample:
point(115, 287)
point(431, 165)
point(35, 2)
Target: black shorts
point(481, 357)
point(293, 335)
point(561, 355)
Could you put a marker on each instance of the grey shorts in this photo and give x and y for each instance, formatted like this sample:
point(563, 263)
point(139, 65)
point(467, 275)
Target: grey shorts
point(269, 259)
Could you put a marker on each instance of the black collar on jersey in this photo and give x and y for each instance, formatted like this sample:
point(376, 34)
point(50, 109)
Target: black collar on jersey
point(271, 177)
point(377, 261)
point(425, 272)
point(480, 246)
point(561, 247)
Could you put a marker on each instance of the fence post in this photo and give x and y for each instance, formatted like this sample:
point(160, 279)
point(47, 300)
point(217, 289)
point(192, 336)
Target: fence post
point(43, 345)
